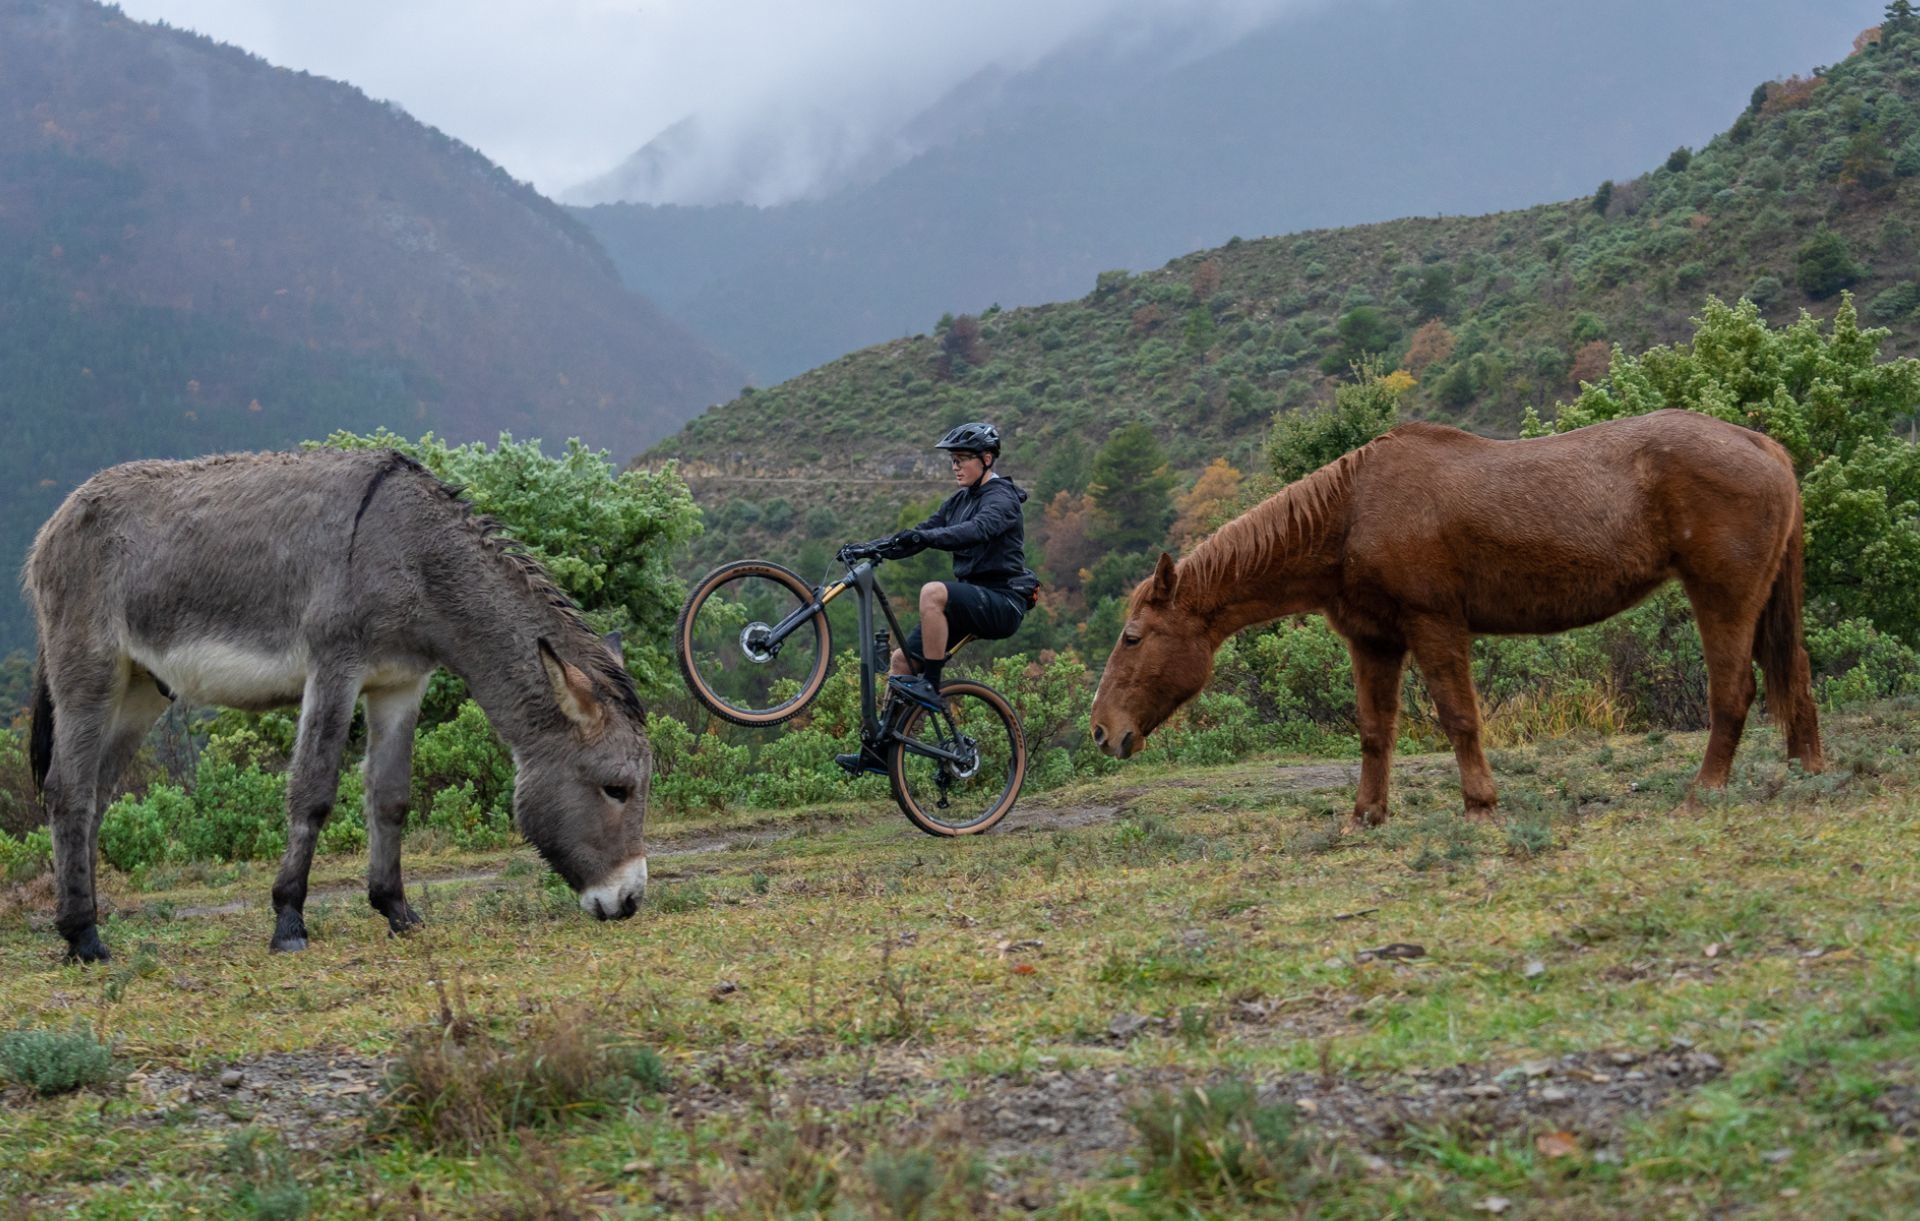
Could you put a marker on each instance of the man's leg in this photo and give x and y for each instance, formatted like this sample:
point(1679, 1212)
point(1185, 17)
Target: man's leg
point(933, 629)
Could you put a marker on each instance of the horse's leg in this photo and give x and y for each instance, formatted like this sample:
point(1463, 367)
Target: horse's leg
point(86, 690)
point(391, 716)
point(1376, 683)
point(1726, 638)
point(313, 782)
point(1444, 654)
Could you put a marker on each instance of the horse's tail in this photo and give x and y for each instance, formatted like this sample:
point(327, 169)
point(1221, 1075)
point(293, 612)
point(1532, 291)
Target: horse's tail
point(41, 749)
point(1778, 647)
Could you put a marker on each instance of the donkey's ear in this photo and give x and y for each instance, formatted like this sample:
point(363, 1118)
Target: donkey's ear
point(572, 691)
point(1164, 580)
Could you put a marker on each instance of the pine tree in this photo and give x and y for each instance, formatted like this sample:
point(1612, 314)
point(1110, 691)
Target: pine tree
point(1132, 490)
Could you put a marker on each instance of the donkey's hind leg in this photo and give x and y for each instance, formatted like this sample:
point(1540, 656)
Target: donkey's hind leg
point(313, 782)
point(391, 716)
point(86, 690)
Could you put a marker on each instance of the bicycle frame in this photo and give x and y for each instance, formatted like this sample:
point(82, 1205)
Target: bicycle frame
point(867, 594)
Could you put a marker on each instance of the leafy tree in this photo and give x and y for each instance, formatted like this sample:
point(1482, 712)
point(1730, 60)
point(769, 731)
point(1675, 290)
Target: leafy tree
point(1823, 265)
point(1132, 490)
point(1365, 331)
point(1213, 498)
point(608, 536)
point(1827, 399)
point(1432, 294)
point(1603, 196)
point(1069, 467)
point(1362, 410)
point(1900, 19)
point(1430, 345)
point(1679, 159)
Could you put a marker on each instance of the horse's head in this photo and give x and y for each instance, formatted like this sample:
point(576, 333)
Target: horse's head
point(1163, 658)
point(580, 786)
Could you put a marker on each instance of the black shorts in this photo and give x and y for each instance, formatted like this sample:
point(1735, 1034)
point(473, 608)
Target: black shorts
point(976, 611)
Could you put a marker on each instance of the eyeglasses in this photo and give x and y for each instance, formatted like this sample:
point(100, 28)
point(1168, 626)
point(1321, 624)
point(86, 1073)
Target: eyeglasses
point(960, 460)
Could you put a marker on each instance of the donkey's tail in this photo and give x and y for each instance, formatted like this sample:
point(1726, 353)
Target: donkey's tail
point(42, 744)
point(1778, 647)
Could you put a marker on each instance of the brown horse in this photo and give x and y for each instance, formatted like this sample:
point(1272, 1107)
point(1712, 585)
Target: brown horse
point(1428, 537)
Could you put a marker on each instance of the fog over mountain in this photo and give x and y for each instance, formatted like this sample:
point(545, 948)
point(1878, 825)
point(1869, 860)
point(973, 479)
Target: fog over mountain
point(787, 100)
point(1106, 155)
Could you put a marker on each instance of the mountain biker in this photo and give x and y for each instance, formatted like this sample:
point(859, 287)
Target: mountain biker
point(992, 588)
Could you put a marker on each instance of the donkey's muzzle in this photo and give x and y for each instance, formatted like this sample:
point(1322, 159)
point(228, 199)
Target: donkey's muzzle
point(618, 895)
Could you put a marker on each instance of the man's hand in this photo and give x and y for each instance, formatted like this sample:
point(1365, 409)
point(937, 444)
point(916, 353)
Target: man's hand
point(902, 545)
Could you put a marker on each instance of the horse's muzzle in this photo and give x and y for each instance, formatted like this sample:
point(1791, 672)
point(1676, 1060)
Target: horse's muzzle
point(1119, 748)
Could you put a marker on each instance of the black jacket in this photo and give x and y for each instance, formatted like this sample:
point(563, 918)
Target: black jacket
point(985, 530)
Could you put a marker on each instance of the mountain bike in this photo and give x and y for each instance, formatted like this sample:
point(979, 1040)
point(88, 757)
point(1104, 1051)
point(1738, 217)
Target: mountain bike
point(755, 646)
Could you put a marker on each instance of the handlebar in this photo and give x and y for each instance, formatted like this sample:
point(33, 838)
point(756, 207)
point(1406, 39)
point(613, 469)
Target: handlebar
point(854, 553)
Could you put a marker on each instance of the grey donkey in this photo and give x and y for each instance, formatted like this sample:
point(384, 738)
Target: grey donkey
point(261, 580)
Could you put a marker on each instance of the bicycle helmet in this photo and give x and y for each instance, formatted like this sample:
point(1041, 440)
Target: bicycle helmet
point(978, 437)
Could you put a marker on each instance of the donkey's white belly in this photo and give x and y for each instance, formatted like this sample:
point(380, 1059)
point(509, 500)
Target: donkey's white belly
point(214, 672)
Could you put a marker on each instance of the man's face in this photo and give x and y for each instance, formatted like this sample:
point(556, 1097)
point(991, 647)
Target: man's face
point(967, 467)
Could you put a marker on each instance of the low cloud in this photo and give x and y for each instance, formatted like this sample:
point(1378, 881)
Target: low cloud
point(560, 91)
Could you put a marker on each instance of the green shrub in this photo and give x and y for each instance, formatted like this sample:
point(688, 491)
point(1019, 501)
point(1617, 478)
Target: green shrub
point(26, 856)
point(55, 1061)
point(148, 830)
point(1218, 1145)
point(464, 751)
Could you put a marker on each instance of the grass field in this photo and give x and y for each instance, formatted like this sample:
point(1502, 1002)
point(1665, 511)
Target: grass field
point(1166, 994)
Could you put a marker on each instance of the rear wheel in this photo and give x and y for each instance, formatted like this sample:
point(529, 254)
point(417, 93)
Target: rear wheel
point(727, 653)
point(958, 772)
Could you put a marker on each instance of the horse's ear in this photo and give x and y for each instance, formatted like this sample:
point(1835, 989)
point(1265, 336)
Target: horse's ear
point(612, 641)
point(1165, 579)
point(572, 691)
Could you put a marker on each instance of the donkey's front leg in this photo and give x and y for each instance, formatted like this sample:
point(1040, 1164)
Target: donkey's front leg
point(313, 782)
point(390, 721)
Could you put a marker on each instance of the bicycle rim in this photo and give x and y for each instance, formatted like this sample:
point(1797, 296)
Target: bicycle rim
point(964, 796)
point(726, 657)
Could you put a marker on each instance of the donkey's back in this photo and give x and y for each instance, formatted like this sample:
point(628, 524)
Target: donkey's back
point(222, 577)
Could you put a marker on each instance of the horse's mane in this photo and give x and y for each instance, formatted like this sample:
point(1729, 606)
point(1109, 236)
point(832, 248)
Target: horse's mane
point(512, 557)
point(1293, 519)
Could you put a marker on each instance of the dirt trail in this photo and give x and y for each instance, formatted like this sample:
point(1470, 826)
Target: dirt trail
point(1036, 816)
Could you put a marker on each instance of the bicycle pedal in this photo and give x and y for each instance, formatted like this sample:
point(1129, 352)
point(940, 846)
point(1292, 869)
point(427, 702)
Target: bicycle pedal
point(862, 762)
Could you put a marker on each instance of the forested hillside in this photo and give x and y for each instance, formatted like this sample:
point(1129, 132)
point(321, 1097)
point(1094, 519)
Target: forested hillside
point(199, 252)
point(1810, 193)
point(1029, 185)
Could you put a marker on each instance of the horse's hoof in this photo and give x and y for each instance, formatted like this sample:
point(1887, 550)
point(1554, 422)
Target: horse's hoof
point(1365, 819)
point(1488, 813)
point(292, 945)
point(405, 923)
point(85, 947)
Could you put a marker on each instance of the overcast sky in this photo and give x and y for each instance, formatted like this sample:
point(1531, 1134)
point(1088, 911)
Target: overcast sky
point(558, 91)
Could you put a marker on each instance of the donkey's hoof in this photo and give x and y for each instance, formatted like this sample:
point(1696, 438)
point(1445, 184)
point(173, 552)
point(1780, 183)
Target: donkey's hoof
point(289, 933)
point(404, 923)
point(85, 946)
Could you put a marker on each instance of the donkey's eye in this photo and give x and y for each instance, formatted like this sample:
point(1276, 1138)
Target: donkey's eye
point(616, 792)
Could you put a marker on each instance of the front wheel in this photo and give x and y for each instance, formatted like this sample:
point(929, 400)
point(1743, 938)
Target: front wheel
point(958, 772)
point(732, 651)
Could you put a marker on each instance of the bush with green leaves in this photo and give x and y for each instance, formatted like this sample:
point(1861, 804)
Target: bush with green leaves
point(464, 752)
point(55, 1061)
point(608, 536)
point(25, 856)
point(1825, 396)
